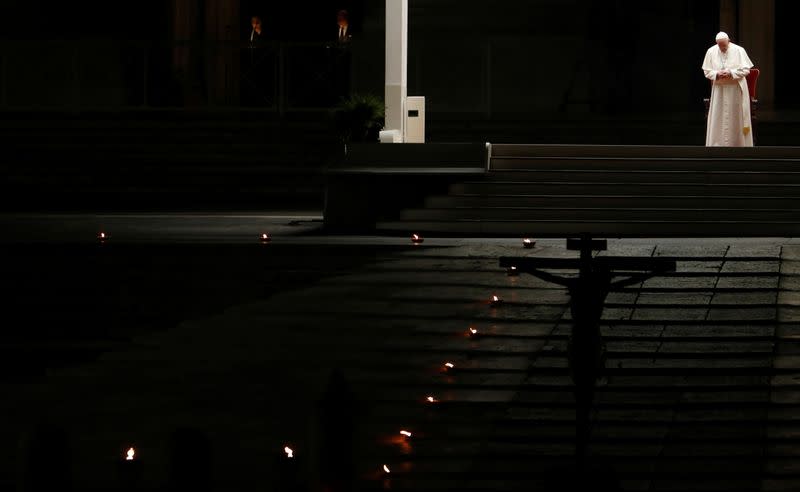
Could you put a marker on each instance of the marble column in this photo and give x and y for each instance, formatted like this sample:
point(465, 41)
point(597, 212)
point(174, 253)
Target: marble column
point(396, 88)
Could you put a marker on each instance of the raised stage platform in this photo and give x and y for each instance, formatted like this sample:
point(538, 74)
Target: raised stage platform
point(562, 190)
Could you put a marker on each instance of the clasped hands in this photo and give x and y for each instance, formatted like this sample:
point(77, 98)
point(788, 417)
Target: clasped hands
point(724, 74)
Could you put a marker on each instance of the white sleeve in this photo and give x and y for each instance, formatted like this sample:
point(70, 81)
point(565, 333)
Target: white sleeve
point(708, 67)
point(744, 65)
point(740, 73)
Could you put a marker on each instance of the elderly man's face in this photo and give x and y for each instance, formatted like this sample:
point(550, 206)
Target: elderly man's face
point(723, 44)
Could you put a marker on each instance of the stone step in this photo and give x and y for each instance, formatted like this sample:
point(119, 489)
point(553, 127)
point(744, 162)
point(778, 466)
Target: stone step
point(641, 175)
point(589, 189)
point(561, 190)
point(558, 228)
point(576, 152)
point(629, 200)
point(654, 164)
point(590, 215)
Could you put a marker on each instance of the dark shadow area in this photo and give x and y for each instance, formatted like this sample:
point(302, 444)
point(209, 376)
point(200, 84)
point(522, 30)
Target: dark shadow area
point(184, 162)
point(191, 458)
point(338, 414)
point(599, 477)
point(48, 460)
point(67, 304)
point(786, 72)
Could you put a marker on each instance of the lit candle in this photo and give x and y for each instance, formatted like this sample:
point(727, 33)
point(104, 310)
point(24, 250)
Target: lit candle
point(495, 301)
point(448, 367)
point(472, 332)
point(387, 480)
point(513, 272)
point(102, 236)
point(417, 239)
point(129, 470)
point(265, 238)
point(528, 243)
point(289, 469)
point(431, 399)
point(405, 433)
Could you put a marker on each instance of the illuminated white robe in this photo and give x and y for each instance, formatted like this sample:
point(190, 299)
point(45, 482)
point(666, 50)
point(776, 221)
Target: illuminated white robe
point(729, 122)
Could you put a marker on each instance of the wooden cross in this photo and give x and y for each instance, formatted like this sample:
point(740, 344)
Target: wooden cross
point(588, 292)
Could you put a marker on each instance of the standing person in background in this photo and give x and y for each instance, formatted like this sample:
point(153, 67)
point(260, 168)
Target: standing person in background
point(340, 70)
point(256, 86)
point(255, 31)
point(343, 33)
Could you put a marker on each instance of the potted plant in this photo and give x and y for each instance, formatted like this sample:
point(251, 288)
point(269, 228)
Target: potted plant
point(359, 118)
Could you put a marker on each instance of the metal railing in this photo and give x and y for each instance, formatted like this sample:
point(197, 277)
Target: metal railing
point(274, 77)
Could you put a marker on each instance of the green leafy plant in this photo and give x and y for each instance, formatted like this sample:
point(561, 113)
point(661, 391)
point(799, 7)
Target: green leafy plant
point(359, 118)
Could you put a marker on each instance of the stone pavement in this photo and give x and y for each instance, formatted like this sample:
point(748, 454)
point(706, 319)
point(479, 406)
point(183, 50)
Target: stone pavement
point(701, 389)
point(171, 228)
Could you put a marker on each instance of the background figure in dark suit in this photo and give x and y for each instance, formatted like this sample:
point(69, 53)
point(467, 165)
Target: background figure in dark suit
point(341, 56)
point(256, 81)
point(343, 32)
point(255, 31)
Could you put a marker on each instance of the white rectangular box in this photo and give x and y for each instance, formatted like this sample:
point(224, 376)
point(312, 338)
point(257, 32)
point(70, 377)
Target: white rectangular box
point(415, 119)
point(390, 136)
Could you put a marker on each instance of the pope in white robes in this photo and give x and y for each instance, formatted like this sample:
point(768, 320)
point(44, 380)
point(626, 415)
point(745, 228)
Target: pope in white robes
point(729, 123)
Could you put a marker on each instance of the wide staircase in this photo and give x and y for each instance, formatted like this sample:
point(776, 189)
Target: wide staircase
point(619, 191)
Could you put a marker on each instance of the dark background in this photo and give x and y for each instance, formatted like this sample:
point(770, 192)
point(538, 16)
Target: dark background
point(89, 19)
point(150, 19)
point(503, 60)
point(787, 70)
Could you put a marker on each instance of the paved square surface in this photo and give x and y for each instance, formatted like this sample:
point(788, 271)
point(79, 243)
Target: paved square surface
point(701, 387)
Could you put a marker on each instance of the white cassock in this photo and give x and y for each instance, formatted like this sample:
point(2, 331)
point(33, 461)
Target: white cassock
point(729, 122)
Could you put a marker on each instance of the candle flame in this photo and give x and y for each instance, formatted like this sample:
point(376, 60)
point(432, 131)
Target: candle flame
point(431, 399)
point(130, 454)
point(405, 433)
point(289, 452)
point(473, 331)
point(449, 365)
point(495, 299)
point(386, 469)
